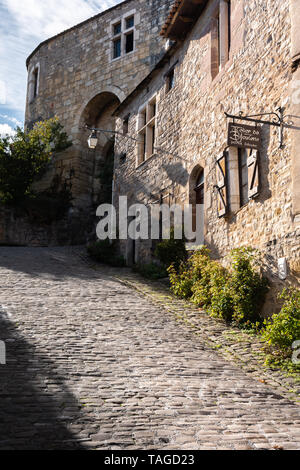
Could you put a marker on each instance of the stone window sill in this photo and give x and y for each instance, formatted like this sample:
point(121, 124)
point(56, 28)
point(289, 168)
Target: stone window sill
point(146, 161)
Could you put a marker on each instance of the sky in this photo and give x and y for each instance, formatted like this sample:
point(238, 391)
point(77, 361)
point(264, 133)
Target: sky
point(23, 25)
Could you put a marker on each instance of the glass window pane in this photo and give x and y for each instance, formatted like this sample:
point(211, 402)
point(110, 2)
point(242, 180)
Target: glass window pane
point(130, 22)
point(117, 29)
point(117, 48)
point(129, 43)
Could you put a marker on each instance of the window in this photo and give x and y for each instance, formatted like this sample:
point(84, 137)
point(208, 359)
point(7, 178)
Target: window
point(35, 82)
point(117, 48)
point(170, 79)
point(130, 22)
point(146, 131)
point(126, 125)
point(129, 42)
point(243, 176)
point(199, 197)
point(123, 36)
point(220, 37)
point(199, 189)
point(34, 78)
point(117, 28)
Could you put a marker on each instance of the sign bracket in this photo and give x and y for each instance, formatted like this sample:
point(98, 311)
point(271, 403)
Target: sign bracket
point(278, 120)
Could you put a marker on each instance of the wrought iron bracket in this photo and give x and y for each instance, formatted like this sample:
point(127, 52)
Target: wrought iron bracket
point(279, 120)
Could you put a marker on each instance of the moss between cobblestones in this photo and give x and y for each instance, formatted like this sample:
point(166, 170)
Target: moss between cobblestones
point(241, 347)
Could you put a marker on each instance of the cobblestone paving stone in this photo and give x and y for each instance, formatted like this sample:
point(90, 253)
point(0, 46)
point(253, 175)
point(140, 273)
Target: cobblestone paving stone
point(94, 364)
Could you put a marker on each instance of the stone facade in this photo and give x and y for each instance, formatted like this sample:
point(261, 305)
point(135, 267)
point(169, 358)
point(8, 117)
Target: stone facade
point(191, 131)
point(75, 77)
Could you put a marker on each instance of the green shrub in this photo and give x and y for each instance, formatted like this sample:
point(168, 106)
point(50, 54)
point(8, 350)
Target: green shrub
point(49, 205)
point(234, 295)
point(171, 252)
point(189, 272)
point(181, 282)
point(284, 328)
point(25, 157)
point(104, 251)
point(202, 285)
point(248, 287)
point(221, 305)
point(151, 271)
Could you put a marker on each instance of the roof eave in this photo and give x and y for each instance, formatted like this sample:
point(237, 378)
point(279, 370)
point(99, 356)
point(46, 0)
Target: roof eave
point(182, 18)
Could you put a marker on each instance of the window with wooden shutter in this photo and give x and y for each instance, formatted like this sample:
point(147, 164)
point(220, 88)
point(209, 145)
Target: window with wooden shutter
point(253, 173)
point(222, 185)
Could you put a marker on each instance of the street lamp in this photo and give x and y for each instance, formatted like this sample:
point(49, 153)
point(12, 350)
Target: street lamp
point(93, 140)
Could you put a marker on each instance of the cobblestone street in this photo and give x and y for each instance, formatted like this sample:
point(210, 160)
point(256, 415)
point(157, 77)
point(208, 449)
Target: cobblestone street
point(93, 364)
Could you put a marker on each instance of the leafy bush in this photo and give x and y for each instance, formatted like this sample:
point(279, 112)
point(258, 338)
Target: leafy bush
point(235, 295)
point(189, 272)
point(248, 287)
point(209, 277)
point(104, 252)
point(221, 305)
point(25, 157)
point(50, 205)
point(151, 271)
point(284, 328)
point(171, 252)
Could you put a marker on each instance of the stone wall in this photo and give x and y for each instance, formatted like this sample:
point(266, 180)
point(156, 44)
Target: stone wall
point(192, 132)
point(78, 79)
point(17, 229)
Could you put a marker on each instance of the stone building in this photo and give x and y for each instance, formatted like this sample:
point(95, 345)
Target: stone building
point(224, 56)
point(82, 75)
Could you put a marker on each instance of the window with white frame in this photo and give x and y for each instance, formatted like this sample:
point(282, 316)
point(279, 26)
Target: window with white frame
point(146, 131)
point(123, 36)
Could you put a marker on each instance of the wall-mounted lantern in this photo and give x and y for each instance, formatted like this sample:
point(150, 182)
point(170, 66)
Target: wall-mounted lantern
point(93, 140)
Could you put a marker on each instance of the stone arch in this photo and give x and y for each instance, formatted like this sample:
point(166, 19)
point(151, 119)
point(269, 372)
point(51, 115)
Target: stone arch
point(112, 90)
point(98, 113)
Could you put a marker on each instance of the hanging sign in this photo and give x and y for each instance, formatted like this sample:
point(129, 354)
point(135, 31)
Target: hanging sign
point(240, 135)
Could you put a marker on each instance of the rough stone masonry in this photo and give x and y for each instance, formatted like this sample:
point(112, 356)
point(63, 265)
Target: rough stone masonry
point(252, 70)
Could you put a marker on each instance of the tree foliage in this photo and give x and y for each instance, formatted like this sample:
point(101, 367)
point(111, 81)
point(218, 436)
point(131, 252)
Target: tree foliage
point(25, 157)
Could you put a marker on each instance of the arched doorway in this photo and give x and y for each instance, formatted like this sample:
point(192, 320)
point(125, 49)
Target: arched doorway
point(97, 164)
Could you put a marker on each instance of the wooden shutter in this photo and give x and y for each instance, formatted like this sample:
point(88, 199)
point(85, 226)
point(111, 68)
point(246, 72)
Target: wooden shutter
point(253, 173)
point(222, 185)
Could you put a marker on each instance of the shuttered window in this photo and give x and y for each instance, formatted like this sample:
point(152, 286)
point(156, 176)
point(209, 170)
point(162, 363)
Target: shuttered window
point(243, 176)
point(253, 173)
